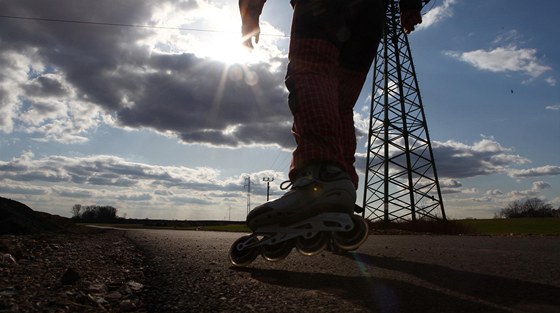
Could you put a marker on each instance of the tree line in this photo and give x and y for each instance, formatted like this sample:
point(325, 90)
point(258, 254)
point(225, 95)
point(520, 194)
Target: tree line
point(532, 207)
point(94, 213)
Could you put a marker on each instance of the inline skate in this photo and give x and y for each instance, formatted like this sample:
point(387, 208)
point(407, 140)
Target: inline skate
point(318, 212)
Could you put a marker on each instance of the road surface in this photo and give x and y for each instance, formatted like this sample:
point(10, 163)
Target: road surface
point(189, 271)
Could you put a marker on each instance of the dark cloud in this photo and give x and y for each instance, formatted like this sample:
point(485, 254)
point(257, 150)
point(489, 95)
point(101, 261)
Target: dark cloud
point(45, 86)
point(486, 157)
point(457, 160)
point(202, 104)
point(198, 99)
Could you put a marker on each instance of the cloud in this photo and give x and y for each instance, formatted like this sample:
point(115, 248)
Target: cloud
point(503, 60)
point(456, 160)
point(485, 157)
point(75, 193)
point(555, 107)
point(109, 172)
point(12, 77)
point(450, 186)
point(535, 191)
point(494, 192)
point(541, 185)
point(21, 189)
point(119, 182)
point(547, 170)
point(551, 81)
point(437, 14)
point(59, 83)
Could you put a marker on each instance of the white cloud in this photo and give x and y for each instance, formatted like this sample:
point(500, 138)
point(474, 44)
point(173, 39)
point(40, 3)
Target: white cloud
point(14, 73)
point(494, 192)
point(437, 14)
point(104, 179)
point(503, 59)
point(551, 81)
point(470, 191)
point(541, 185)
point(555, 107)
point(547, 170)
point(508, 38)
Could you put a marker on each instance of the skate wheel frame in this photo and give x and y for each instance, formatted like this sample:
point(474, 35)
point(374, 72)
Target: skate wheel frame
point(310, 237)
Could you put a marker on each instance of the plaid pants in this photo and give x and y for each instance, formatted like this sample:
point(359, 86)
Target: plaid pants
point(333, 43)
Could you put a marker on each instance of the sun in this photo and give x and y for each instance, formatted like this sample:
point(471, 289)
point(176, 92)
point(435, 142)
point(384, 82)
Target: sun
point(227, 48)
point(223, 40)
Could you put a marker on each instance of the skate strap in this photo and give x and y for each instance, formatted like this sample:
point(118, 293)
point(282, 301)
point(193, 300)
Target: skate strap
point(286, 184)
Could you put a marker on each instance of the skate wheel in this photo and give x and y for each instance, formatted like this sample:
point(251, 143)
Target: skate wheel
point(313, 245)
point(245, 256)
point(351, 240)
point(277, 251)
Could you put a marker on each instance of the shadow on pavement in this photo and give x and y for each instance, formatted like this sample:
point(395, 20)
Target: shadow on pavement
point(394, 285)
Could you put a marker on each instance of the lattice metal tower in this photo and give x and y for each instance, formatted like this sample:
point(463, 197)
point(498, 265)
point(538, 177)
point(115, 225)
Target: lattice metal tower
point(401, 181)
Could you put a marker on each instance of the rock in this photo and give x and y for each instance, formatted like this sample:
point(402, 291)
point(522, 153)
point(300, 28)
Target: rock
point(98, 288)
point(7, 260)
point(135, 286)
point(69, 277)
point(127, 306)
point(113, 295)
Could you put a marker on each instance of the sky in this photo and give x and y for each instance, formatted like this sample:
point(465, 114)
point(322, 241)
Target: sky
point(154, 108)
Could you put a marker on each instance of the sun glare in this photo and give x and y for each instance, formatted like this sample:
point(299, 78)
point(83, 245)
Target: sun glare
point(227, 48)
point(212, 33)
point(225, 45)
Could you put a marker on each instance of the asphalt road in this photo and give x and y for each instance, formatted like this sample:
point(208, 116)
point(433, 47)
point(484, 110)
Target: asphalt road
point(189, 271)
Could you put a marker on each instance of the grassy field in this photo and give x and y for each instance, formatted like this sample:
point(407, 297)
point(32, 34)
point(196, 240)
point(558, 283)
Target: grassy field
point(498, 227)
point(501, 227)
point(513, 226)
point(227, 227)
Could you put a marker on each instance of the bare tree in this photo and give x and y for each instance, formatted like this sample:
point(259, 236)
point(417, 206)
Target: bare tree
point(76, 210)
point(532, 207)
point(94, 212)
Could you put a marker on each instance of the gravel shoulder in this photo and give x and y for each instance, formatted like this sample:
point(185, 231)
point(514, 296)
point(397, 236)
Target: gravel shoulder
point(90, 271)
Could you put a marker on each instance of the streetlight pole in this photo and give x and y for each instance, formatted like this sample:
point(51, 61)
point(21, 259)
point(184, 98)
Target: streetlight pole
point(268, 180)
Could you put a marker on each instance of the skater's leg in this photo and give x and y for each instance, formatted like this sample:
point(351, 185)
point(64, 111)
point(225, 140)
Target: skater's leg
point(363, 32)
point(350, 85)
point(323, 46)
point(313, 85)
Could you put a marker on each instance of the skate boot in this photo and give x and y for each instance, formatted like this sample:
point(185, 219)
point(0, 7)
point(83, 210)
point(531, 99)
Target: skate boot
point(316, 212)
point(320, 188)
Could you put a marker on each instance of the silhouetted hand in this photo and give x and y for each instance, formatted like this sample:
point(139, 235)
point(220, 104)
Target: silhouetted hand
point(409, 19)
point(250, 11)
